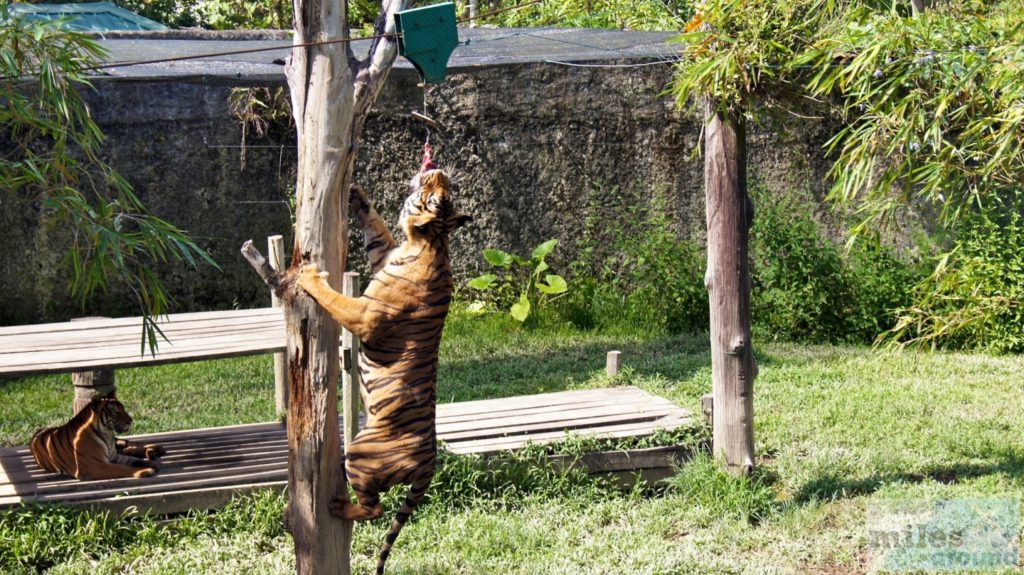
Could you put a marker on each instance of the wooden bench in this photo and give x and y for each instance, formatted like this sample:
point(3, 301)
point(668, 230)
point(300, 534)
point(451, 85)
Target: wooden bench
point(91, 349)
point(204, 468)
point(98, 343)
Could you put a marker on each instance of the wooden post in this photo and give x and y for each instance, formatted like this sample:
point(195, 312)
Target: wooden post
point(729, 216)
point(613, 363)
point(90, 384)
point(707, 408)
point(474, 11)
point(350, 368)
point(275, 249)
point(332, 90)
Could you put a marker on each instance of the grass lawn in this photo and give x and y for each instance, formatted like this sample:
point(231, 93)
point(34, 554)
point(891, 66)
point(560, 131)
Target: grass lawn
point(837, 429)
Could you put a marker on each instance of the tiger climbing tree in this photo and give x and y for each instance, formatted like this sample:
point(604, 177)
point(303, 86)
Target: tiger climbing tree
point(332, 89)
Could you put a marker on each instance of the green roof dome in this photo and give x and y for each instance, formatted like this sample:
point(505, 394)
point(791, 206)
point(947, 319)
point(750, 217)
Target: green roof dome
point(90, 17)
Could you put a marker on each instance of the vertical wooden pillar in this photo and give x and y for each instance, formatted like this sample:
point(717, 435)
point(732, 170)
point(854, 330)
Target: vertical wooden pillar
point(350, 367)
point(275, 247)
point(613, 363)
point(729, 217)
point(90, 384)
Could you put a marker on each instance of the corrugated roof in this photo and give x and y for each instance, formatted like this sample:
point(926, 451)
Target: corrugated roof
point(88, 17)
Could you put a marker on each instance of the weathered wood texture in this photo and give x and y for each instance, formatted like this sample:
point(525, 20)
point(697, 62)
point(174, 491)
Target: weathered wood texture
point(275, 252)
point(204, 468)
point(331, 92)
point(350, 404)
point(613, 363)
point(94, 344)
point(729, 217)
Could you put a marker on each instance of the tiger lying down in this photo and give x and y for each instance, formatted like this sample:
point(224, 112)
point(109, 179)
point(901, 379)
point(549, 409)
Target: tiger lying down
point(399, 319)
point(86, 448)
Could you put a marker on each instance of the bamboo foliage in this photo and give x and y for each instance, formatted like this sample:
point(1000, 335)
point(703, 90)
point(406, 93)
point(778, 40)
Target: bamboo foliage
point(931, 120)
point(51, 155)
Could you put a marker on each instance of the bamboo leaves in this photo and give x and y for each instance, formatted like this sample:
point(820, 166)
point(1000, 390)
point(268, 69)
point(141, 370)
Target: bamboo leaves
point(52, 155)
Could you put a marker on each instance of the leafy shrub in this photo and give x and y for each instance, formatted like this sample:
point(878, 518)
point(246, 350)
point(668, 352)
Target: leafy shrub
point(805, 287)
point(521, 285)
point(215, 14)
point(975, 297)
point(644, 274)
point(609, 14)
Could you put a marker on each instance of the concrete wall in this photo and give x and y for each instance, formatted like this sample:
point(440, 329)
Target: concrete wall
point(538, 150)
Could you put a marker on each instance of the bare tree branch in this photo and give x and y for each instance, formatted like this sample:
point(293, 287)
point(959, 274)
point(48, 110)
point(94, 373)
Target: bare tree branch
point(371, 72)
point(274, 279)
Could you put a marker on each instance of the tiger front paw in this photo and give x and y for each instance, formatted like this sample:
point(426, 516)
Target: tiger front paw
point(312, 279)
point(153, 451)
point(145, 472)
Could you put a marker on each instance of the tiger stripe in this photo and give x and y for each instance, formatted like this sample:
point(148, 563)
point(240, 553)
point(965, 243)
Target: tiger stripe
point(399, 320)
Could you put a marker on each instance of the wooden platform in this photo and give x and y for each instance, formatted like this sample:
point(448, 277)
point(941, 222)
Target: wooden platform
point(205, 468)
point(117, 343)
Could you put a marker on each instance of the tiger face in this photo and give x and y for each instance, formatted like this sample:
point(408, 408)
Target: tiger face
point(429, 212)
point(111, 414)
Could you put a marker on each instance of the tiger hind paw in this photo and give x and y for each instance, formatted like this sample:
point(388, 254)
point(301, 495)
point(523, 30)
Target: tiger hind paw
point(344, 509)
point(145, 472)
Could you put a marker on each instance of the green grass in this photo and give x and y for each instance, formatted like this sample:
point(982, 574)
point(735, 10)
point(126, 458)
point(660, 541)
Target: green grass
point(837, 429)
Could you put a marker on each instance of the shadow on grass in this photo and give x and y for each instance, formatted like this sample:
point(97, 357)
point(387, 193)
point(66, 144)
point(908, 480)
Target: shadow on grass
point(568, 366)
point(832, 486)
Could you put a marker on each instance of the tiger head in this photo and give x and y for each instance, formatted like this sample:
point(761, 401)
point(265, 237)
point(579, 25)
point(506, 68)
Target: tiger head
point(429, 212)
point(111, 414)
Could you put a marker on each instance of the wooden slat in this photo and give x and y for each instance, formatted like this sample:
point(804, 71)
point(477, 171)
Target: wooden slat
point(182, 500)
point(547, 414)
point(522, 427)
point(101, 335)
point(91, 324)
point(204, 467)
point(116, 343)
point(495, 445)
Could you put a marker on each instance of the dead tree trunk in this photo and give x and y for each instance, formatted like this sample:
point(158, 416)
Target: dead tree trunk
point(331, 92)
point(729, 214)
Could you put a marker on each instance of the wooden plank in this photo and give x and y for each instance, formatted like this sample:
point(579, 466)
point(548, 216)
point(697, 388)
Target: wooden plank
point(111, 356)
point(449, 413)
point(561, 413)
point(132, 335)
point(104, 344)
point(91, 324)
point(495, 445)
point(554, 425)
point(559, 398)
point(179, 442)
point(30, 472)
point(139, 361)
point(204, 467)
point(140, 487)
point(59, 484)
point(180, 501)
